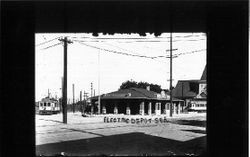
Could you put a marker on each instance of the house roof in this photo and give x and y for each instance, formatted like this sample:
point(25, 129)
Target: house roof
point(132, 93)
point(189, 88)
point(186, 88)
point(204, 74)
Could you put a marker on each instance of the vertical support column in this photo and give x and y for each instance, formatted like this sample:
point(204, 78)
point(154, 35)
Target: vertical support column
point(104, 109)
point(179, 107)
point(173, 108)
point(159, 108)
point(128, 112)
point(142, 108)
point(149, 108)
point(115, 109)
point(167, 108)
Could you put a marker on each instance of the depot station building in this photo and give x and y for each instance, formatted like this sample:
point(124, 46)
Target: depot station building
point(136, 101)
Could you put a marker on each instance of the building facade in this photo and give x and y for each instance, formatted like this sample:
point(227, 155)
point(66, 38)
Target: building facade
point(193, 92)
point(135, 101)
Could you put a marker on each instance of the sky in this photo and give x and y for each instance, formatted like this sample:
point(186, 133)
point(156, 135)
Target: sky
point(113, 59)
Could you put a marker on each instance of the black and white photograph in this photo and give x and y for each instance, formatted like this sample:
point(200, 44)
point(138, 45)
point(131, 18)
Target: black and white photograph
point(120, 94)
point(124, 78)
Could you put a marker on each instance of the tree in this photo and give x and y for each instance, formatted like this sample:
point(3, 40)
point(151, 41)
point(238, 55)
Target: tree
point(130, 84)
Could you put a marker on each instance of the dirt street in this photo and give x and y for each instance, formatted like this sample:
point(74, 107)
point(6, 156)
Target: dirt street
point(182, 134)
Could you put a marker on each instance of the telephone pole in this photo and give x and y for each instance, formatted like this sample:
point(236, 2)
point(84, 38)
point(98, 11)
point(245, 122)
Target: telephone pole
point(64, 98)
point(73, 98)
point(171, 103)
point(91, 86)
point(81, 107)
point(99, 96)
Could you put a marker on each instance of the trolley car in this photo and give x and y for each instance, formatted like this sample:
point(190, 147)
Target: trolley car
point(48, 106)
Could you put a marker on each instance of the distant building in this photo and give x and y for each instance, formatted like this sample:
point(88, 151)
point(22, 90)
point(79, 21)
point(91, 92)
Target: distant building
point(193, 92)
point(136, 101)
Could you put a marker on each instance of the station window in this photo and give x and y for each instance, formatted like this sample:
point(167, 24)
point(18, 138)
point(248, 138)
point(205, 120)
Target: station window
point(49, 104)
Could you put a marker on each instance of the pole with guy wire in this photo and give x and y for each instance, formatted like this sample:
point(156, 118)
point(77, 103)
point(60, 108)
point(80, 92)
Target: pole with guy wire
point(171, 103)
point(99, 97)
point(73, 86)
point(64, 98)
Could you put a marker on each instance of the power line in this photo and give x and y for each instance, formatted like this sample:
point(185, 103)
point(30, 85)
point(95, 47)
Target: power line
point(51, 46)
point(48, 41)
point(121, 48)
point(143, 56)
point(155, 41)
point(117, 52)
point(158, 41)
point(184, 53)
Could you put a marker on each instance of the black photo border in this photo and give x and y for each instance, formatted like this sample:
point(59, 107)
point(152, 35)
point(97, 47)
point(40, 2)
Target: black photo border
point(226, 25)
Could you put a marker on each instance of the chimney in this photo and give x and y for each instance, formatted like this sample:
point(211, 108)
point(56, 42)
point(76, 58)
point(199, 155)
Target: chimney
point(148, 88)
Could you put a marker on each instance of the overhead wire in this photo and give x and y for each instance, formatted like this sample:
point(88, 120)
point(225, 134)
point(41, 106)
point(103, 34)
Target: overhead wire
point(48, 41)
point(51, 46)
point(121, 48)
point(136, 55)
point(184, 53)
point(113, 51)
point(143, 41)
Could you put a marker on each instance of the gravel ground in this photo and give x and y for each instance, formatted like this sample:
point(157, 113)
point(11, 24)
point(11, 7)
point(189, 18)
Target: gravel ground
point(181, 134)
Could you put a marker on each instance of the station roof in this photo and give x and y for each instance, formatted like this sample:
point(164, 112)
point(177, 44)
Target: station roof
point(133, 93)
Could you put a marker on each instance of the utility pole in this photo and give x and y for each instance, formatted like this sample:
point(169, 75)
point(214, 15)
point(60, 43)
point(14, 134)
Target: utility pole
point(64, 99)
point(99, 96)
point(73, 86)
point(61, 96)
point(91, 87)
point(171, 103)
point(48, 93)
point(81, 107)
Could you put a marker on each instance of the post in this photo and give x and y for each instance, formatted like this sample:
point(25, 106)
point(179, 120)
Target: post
point(149, 108)
point(142, 108)
point(115, 109)
point(61, 105)
point(91, 86)
point(64, 101)
point(73, 86)
point(99, 96)
point(81, 107)
point(128, 109)
point(171, 103)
